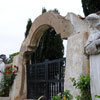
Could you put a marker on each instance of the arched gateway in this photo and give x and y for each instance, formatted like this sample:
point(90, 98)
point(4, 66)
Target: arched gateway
point(65, 26)
point(42, 23)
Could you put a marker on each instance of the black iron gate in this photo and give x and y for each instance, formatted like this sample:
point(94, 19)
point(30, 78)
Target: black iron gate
point(45, 79)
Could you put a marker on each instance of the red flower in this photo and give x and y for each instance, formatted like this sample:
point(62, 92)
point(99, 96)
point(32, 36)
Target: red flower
point(15, 66)
point(10, 66)
point(14, 72)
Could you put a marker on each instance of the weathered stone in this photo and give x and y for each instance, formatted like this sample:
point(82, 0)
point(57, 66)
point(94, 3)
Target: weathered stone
point(43, 22)
point(79, 25)
point(77, 63)
point(72, 26)
point(19, 86)
point(50, 19)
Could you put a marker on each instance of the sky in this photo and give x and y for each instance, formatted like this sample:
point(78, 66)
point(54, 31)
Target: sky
point(14, 15)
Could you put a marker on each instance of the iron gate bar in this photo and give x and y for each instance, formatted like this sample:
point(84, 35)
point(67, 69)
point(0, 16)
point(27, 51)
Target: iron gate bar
point(45, 78)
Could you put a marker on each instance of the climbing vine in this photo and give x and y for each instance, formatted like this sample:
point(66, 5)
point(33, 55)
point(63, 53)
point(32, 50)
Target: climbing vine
point(83, 84)
point(97, 96)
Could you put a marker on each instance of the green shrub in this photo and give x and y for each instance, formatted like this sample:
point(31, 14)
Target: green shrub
point(12, 56)
point(97, 96)
point(67, 95)
point(64, 96)
point(7, 82)
point(83, 84)
point(56, 98)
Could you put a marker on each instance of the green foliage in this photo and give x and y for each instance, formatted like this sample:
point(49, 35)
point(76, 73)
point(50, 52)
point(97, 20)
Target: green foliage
point(12, 56)
point(83, 85)
point(50, 47)
point(97, 96)
point(67, 95)
point(56, 98)
point(28, 26)
point(78, 97)
point(90, 6)
point(44, 10)
point(64, 96)
point(6, 83)
point(56, 11)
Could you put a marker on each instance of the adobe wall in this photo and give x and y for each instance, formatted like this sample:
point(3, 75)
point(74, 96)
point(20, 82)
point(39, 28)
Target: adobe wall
point(76, 62)
point(70, 27)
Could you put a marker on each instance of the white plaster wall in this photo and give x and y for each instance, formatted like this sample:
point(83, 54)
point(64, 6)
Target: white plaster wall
point(80, 25)
point(77, 63)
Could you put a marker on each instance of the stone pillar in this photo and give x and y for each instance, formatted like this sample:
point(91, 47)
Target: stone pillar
point(18, 90)
point(77, 64)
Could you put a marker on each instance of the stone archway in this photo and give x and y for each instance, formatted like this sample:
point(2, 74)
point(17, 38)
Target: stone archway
point(42, 23)
point(71, 27)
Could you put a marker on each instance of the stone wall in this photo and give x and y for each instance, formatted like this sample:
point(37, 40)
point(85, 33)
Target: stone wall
point(70, 27)
point(77, 63)
point(79, 25)
point(18, 89)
